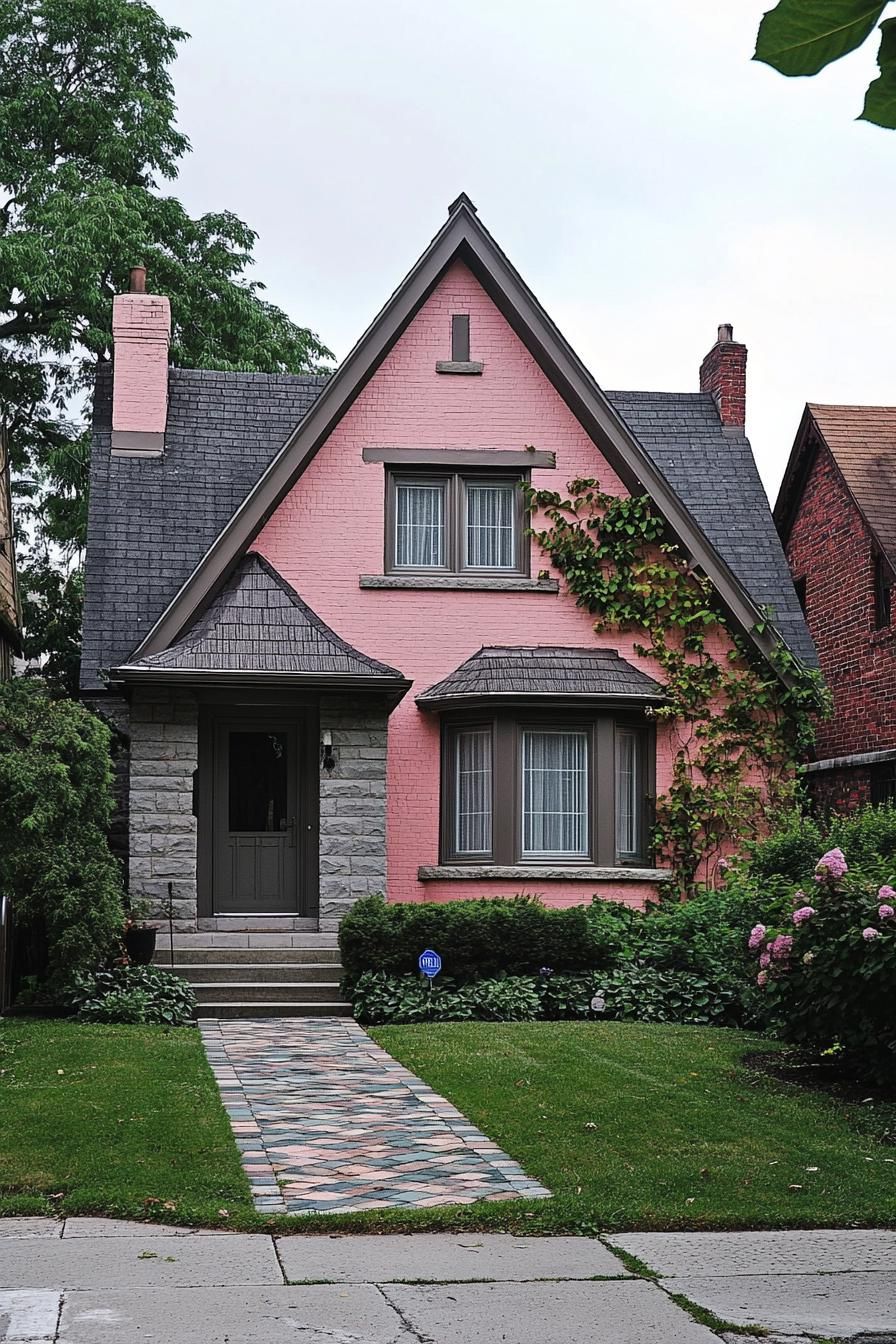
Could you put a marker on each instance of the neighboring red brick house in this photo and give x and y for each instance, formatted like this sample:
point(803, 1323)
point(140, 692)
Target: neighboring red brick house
point(836, 515)
point(344, 665)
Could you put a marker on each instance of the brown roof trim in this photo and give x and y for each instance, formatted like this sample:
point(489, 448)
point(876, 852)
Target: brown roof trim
point(464, 238)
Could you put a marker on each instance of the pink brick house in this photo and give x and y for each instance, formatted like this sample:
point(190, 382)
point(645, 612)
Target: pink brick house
point(342, 663)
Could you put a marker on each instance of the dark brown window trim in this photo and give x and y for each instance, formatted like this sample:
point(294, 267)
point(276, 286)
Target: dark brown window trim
point(496, 459)
point(475, 582)
point(507, 726)
point(454, 483)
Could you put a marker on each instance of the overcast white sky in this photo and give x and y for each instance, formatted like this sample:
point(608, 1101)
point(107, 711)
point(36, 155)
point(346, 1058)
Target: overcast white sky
point(646, 177)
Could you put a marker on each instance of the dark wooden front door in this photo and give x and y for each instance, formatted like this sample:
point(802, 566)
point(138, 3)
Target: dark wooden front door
point(256, 822)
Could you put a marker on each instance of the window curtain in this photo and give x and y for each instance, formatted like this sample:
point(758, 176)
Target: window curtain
point(555, 793)
point(627, 792)
point(420, 525)
point(473, 784)
point(491, 514)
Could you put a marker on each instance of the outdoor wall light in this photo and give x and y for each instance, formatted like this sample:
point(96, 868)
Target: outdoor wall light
point(327, 754)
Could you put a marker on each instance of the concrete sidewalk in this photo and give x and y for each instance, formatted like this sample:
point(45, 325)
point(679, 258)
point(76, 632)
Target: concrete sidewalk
point(99, 1281)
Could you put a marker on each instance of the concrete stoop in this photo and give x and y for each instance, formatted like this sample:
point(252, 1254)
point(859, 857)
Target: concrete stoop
point(258, 973)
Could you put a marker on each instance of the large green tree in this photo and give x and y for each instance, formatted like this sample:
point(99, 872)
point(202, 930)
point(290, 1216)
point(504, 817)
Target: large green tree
point(87, 137)
point(801, 37)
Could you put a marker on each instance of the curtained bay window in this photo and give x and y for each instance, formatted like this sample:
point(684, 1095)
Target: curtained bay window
point(558, 788)
point(455, 522)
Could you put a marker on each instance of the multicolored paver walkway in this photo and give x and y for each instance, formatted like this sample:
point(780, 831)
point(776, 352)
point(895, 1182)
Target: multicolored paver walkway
point(327, 1122)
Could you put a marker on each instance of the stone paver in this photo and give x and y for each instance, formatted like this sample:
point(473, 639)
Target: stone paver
point(313, 1315)
point(327, 1122)
point(835, 1306)
point(630, 1312)
point(437, 1256)
point(726, 1253)
point(148, 1261)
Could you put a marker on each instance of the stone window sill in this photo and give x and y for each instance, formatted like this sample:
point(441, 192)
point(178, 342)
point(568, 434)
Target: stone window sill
point(475, 582)
point(465, 872)
point(467, 366)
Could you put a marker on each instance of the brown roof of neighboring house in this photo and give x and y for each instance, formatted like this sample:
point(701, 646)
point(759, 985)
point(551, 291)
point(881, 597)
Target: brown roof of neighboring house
point(862, 442)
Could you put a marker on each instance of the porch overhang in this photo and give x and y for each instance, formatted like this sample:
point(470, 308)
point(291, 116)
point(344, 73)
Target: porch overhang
point(393, 689)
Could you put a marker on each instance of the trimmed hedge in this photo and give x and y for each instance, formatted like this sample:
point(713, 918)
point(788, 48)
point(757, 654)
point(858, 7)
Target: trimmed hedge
point(476, 939)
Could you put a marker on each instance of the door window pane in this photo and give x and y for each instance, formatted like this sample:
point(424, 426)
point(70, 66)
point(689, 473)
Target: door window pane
point(491, 526)
point(628, 794)
point(257, 781)
point(420, 525)
point(473, 792)
point(555, 794)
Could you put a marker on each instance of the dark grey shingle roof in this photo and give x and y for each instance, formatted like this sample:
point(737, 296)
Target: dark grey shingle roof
point(545, 670)
point(714, 473)
point(258, 623)
point(151, 521)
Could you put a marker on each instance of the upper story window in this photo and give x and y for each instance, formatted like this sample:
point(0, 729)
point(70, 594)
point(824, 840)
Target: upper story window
point(883, 587)
point(456, 523)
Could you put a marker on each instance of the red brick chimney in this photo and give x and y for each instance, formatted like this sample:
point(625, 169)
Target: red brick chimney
point(141, 333)
point(724, 374)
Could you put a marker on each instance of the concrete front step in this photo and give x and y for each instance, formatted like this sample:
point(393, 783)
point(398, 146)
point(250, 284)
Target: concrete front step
point(272, 972)
point(248, 956)
point(260, 991)
point(247, 938)
point(270, 1009)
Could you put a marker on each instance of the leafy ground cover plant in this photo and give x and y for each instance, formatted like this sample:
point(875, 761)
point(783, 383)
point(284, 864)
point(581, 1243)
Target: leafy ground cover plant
point(135, 995)
point(828, 971)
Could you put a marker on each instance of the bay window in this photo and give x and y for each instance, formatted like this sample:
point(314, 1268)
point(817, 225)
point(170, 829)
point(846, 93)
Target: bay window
point(560, 789)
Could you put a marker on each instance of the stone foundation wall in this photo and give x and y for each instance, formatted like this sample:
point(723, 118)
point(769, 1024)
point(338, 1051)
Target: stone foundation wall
point(352, 808)
point(164, 742)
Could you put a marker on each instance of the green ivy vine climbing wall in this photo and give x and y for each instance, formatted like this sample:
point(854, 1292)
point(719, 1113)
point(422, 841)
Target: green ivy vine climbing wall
point(738, 721)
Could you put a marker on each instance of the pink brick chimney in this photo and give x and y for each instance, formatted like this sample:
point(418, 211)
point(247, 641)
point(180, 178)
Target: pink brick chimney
point(141, 333)
point(724, 374)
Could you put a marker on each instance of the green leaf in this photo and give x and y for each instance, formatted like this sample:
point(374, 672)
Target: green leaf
point(880, 100)
point(801, 37)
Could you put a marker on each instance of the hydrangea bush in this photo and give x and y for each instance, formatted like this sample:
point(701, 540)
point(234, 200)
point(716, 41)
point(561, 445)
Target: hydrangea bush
point(830, 975)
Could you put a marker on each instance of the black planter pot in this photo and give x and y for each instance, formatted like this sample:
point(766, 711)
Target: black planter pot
point(140, 944)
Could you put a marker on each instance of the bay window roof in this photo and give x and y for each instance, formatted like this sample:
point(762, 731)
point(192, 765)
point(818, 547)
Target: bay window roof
point(541, 672)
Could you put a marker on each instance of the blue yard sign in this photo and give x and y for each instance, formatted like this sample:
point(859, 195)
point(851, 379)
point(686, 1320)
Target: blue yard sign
point(429, 962)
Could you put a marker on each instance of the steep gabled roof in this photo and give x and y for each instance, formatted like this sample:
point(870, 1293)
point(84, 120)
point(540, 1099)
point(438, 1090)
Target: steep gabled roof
point(570, 674)
point(862, 443)
point(258, 625)
point(463, 238)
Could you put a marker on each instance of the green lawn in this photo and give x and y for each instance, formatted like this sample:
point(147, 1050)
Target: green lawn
point(658, 1127)
point(631, 1126)
point(123, 1120)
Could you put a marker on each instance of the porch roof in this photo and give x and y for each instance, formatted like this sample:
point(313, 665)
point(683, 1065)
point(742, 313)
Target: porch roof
point(258, 628)
point(543, 672)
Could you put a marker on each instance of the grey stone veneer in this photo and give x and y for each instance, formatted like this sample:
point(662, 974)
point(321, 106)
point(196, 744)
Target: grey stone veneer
point(162, 825)
point(352, 807)
point(163, 829)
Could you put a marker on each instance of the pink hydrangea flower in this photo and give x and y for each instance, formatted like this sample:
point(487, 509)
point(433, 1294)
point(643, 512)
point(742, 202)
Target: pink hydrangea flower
point(808, 958)
point(805, 912)
point(765, 960)
point(799, 898)
point(886, 912)
point(886, 893)
point(831, 866)
point(757, 933)
point(762, 979)
point(780, 948)
point(870, 934)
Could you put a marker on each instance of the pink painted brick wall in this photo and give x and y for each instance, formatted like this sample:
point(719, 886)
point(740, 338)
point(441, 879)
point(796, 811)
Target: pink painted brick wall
point(330, 529)
point(141, 330)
